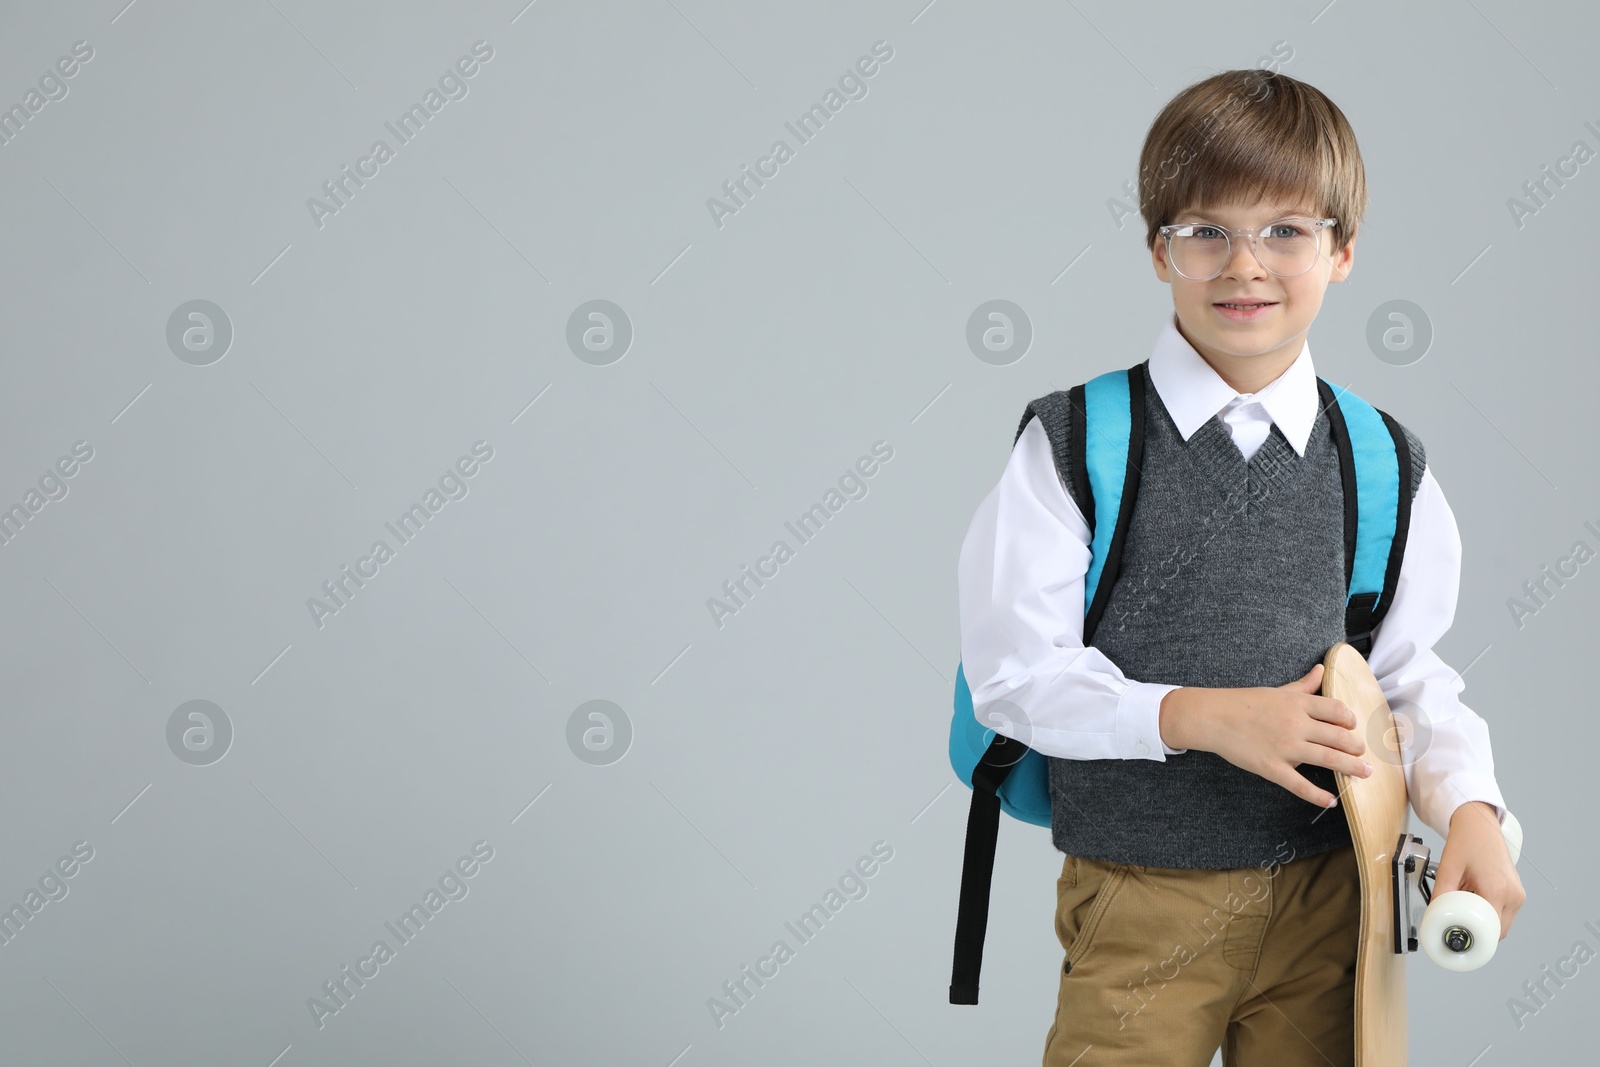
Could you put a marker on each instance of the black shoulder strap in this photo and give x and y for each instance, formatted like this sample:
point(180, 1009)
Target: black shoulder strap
point(1130, 492)
point(1366, 606)
point(1397, 550)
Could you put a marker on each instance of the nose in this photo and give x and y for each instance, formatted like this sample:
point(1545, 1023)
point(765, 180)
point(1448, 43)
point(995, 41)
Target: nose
point(1242, 260)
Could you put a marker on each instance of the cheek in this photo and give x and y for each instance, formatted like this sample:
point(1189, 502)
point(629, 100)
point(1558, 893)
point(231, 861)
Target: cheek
point(1306, 293)
point(1198, 299)
point(1303, 306)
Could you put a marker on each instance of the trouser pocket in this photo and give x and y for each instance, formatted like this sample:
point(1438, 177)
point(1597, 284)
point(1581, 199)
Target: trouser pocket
point(1084, 892)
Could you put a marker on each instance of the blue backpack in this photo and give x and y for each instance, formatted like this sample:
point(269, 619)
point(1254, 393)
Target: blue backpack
point(1375, 457)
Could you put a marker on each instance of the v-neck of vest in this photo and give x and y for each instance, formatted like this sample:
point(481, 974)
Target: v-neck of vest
point(1213, 450)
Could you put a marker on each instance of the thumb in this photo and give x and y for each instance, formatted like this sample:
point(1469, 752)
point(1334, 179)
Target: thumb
point(1309, 682)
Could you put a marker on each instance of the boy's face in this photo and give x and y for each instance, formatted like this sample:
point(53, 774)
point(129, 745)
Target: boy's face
point(1248, 355)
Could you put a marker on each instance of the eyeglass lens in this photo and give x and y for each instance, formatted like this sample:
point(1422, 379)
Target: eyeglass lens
point(1200, 252)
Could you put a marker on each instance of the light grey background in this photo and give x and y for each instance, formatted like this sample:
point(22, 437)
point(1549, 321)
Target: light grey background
point(768, 355)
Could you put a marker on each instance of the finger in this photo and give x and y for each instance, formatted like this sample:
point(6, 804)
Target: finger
point(1508, 912)
point(1309, 682)
point(1333, 759)
point(1335, 711)
point(1330, 736)
point(1304, 788)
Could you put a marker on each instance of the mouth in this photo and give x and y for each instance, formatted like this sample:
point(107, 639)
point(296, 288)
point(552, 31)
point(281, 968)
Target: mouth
point(1245, 310)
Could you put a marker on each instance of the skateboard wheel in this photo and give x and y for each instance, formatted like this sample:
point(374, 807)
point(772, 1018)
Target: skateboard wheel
point(1459, 931)
point(1513, 831)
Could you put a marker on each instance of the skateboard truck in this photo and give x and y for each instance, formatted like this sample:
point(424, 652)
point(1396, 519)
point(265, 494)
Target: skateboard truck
point(1413, 889)
point(1458, 930)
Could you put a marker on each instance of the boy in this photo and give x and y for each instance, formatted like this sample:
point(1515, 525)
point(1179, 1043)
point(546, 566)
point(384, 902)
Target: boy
point(1204, 900)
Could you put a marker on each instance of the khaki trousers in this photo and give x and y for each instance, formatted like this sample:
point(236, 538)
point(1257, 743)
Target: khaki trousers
point(1165, 966)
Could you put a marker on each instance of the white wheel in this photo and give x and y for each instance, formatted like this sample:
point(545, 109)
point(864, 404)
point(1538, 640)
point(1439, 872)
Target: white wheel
point(1513, 831)
point(1460, 931)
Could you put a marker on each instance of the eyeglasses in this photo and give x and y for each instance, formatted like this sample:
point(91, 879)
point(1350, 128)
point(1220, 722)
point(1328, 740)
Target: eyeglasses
point(1200, 250)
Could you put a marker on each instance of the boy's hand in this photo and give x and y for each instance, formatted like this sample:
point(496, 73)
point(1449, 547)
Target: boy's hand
point(1267, 730)
point(1475, 858)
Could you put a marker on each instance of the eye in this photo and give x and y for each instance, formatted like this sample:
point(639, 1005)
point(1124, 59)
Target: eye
point(1201, 230)
point(1287, 229)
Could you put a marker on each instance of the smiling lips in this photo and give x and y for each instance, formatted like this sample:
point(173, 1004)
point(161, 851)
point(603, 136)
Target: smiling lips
point(1244, 310)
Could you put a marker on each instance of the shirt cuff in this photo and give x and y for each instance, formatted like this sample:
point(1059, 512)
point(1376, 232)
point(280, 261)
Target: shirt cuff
point(1139, 722)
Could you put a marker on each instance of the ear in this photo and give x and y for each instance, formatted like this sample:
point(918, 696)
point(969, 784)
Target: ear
point(1158, 256)
point(1343, 260)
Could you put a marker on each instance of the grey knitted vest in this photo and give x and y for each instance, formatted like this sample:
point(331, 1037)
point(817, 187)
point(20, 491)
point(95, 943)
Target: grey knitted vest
point(1233, 575)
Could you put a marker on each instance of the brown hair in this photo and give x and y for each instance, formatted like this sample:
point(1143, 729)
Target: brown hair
point(1248, 133)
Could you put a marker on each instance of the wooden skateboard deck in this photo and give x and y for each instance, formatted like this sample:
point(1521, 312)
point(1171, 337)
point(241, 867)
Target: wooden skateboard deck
point(1376, 809)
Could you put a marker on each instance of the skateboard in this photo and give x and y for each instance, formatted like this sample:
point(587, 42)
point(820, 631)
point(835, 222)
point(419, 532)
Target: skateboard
point(1399, 913)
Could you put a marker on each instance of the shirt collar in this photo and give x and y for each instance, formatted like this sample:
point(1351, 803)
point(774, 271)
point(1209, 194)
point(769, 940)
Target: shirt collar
point(1193, 392)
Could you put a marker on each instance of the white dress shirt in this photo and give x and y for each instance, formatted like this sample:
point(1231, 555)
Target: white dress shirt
point(1020, 584)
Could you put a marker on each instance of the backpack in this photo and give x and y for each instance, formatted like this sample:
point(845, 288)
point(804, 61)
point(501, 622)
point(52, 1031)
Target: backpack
point(1375, 457)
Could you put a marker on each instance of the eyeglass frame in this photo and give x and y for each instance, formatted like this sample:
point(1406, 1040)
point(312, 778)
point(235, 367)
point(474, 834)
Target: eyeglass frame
point(1230, 232)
